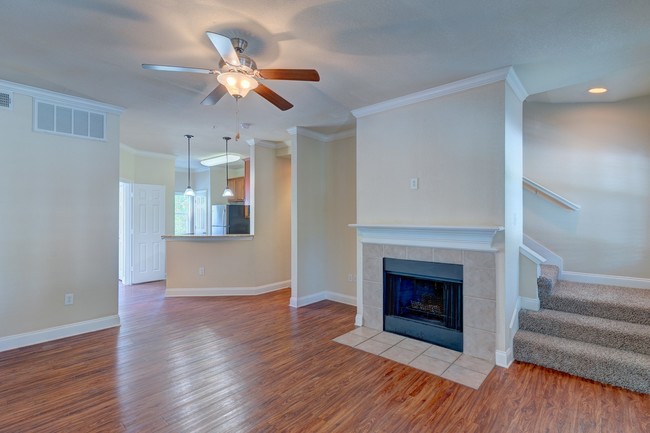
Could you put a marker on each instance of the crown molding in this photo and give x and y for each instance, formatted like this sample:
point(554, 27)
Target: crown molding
point(60, 98)
point(444, 90)
point(512, 79)
point(326, 138)
point(264, 143)
point(146, 153)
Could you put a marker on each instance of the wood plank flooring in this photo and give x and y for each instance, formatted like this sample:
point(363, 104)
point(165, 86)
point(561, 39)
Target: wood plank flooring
point(253, 364)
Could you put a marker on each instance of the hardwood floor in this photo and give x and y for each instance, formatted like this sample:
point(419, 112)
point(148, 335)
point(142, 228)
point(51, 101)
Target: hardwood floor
point(253, 364)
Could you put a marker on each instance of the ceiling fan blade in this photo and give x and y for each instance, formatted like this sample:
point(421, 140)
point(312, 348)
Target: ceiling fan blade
point(178, 69)
point(290, 74)
point(215, 95)
point(225, 48)
point(272, 97)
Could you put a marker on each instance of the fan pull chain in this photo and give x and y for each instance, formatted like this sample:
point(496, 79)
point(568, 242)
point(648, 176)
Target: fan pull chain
point(237, 118)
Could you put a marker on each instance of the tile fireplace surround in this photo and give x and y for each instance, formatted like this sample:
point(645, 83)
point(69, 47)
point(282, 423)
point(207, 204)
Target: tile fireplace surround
point(467, 246)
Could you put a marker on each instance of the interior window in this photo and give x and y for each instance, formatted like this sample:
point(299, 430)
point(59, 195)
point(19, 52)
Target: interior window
point(191, 214)
point(182, 214)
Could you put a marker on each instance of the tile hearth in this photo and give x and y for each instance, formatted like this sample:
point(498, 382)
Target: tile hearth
point(449, 364)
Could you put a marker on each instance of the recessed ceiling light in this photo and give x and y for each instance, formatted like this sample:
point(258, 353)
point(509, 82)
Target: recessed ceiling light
point(219, 160)
point(597, 90)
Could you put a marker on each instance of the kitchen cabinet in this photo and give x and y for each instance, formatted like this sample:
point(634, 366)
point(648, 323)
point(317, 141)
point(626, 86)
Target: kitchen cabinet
point(237, 185)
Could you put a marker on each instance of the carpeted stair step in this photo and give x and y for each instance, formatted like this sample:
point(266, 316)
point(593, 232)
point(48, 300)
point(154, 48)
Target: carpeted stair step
point(604, 364)
point(547, 279)
point(596, 330)
point(610, 302)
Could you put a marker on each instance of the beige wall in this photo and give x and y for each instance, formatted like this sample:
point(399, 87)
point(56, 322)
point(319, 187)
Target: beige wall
point(324, 247)
point(598, 156)
point(340, 212)
point(59, 228)
point(466, 150)
point(243, 264)
point(453, 144)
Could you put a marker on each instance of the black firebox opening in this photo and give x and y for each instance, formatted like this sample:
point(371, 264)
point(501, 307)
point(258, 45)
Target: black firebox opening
point(424, 300)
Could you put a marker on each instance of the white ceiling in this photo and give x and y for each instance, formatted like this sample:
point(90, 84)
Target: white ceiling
point(366, 51)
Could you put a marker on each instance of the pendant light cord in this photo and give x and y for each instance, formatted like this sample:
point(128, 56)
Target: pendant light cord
point(226, 138)
point(188, 158)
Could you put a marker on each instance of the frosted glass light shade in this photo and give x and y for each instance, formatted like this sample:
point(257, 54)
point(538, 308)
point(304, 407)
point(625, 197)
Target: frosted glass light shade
point(236, 83)
point(189, 191)
point(219, 160)
point(227, 193)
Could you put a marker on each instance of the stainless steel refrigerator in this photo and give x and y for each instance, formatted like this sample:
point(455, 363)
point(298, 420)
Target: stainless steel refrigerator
point(230, 219)
point(219, 220)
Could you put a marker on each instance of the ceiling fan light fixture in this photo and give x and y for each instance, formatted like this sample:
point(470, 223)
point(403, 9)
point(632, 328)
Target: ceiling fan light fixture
point(237, 83)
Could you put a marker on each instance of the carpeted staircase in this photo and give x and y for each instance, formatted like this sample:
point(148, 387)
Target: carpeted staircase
point(597, 332)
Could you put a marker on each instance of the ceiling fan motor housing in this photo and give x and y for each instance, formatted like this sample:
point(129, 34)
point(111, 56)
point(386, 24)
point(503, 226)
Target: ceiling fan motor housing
point(239, 44)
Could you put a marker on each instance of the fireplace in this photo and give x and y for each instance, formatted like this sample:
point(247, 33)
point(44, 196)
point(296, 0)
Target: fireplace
point(424, 300)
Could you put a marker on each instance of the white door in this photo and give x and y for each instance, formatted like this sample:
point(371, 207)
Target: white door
point(148, 227)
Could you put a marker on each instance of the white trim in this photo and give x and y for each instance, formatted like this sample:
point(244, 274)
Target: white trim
point(60, 98)
point(529, 303)
point(512, 79)
point(504, 359)
point(532, 255)
point(465, 238)
point(146, 153)
point(550, 256)
point(341, 299)
point(226, 291)
point(607, 280)
point(325, 295)
point(301, 301)
point(265, 143)
point(326, 138)
point(435, 92)
point(58, 332)
point(514, 320)
point(536, 188)
point(358, 320)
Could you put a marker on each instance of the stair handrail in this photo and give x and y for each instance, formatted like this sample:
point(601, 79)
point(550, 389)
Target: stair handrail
point(550, 195)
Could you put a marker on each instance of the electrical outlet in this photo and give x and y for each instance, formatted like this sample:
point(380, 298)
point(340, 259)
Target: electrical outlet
point(201, 271)
point(352, 278)
point(414, 183)
point(68, 299)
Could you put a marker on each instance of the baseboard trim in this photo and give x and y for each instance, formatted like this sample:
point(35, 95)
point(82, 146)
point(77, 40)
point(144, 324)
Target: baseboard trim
point(342, 299)
point(529, 303)
point(58, 332)
point(302, 301)
point(607, 280)
point(227, 291)
point(358, 320)
point(504, 358)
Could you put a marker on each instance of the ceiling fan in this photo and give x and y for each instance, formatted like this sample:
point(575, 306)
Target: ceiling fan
point(238, 74)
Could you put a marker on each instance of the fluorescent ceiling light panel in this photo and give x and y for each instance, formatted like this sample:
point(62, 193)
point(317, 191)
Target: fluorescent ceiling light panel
point(220, 160)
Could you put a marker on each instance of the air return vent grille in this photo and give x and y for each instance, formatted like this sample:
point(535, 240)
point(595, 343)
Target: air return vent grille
point(59, 119)
point(6, 99)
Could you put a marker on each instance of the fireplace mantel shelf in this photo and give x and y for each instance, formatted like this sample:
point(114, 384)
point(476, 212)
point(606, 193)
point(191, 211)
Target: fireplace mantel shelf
point(457, 237)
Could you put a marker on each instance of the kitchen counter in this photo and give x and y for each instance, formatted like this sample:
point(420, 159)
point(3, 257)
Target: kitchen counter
point(204, 238)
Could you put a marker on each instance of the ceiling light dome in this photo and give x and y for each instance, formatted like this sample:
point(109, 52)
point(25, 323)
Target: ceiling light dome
point(238, 84)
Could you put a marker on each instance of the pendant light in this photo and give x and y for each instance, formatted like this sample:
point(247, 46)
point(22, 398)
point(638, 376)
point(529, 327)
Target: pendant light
point(188, 191)
point(227, 192)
